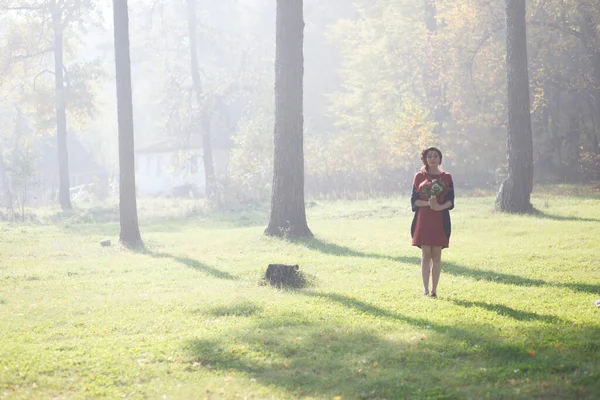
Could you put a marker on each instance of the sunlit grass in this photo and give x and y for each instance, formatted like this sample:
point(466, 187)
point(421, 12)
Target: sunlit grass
point(188, 317)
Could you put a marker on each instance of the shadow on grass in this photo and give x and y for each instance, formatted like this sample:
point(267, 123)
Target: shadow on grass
point(506, 311)
point(191, 263)
point(330, 248)
point(542, 215)
point(508, 279)
point(307, 356)
point(326, 247)
point(316, 365)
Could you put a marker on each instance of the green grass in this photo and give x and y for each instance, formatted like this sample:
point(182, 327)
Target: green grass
point(189, 319)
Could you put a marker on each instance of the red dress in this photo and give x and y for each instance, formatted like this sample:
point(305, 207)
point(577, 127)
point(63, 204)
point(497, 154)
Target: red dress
point(429, 227)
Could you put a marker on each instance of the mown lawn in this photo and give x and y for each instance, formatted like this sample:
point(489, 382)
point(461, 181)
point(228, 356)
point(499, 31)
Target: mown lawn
point(189, 319)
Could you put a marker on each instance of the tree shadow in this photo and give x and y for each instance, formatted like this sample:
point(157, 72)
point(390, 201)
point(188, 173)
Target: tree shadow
point(458, 333)
point(508, 279)
point(542, 215)
point(330, 248)
point(500, 309)
point(298, 353)
point(191, 263)
point(317, 365)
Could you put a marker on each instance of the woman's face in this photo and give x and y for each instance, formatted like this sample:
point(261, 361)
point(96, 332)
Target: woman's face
point(433, 158)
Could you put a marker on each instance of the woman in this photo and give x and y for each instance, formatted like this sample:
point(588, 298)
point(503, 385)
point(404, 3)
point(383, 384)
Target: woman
point(430, 229)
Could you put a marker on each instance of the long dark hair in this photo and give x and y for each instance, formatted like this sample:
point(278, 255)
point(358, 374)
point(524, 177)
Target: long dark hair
point(424, 157)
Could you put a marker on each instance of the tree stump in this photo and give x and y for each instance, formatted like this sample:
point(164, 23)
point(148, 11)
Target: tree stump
point(280, 275)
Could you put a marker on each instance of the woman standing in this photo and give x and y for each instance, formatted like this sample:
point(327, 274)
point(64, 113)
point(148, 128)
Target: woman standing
point(432, 199)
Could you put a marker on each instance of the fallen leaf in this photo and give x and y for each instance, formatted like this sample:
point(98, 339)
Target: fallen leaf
point(557, 346)
point(531, 353)
point(375, 364)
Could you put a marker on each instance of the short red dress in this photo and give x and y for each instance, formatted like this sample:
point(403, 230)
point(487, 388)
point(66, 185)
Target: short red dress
point(431, 228)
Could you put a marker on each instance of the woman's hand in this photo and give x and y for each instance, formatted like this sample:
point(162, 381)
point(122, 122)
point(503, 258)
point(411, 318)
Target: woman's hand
point(434, 204)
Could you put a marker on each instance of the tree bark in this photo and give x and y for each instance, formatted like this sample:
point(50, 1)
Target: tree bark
point(130, 233)
point(430, 16)
point(515, 192)
point(204, 107)
point(434, 88)
point(64, 195)
point(288, 212)
point(588, 28)
point(5, 195)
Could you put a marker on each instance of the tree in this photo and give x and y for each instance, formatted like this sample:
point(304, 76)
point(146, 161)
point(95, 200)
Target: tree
point(515, 192)
point(64, 195)
point(204, 112)
point(130, 232)
point(288, 213)
point(62, 18)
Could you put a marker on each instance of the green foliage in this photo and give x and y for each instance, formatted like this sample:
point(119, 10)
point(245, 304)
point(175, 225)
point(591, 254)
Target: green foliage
point(456, 72)
point(30, 56)
point(251, 162)
point(19, 169)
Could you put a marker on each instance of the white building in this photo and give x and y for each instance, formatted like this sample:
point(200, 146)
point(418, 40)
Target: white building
point(175, 167)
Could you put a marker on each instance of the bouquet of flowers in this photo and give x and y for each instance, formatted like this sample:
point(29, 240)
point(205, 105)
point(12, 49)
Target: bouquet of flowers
point(432, 188)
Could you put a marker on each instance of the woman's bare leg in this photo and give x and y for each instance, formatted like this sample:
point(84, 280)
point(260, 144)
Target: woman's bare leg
point(436, 269)
point(426, 264)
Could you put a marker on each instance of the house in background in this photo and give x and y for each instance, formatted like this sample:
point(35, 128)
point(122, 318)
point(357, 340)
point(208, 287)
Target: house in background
point(175, 167)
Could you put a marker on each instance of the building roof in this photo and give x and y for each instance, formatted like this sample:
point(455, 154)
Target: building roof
point(178, 144)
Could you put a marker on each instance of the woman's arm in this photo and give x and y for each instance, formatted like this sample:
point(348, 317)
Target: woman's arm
point(448, 203)
point(415, 197)
point(440, 207)
point(421, 203)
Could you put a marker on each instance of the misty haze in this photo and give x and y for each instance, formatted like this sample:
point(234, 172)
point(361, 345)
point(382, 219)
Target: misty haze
point(251, 199)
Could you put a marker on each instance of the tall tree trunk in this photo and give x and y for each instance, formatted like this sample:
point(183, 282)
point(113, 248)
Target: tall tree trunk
point(5, 194)
point(64, 195)
point(130, 232)
point(591, 42)
point(515, 192)
point(288, 213)
point(203, 105)
point(430, 16)
point(431, 69)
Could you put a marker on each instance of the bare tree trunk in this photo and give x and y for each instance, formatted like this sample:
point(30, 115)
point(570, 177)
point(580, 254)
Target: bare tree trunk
point(5, 194)
point(515, 192)
point(434, 89)
point(64, 195)
point(591, 41)
point(204, 106)
point(288, 213)
point(130, 232)
point(430, 15)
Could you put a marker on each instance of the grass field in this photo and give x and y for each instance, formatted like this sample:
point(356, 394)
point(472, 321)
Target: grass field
point(189, 319)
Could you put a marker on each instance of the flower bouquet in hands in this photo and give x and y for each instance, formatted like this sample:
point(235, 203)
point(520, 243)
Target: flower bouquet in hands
point(432, 188)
